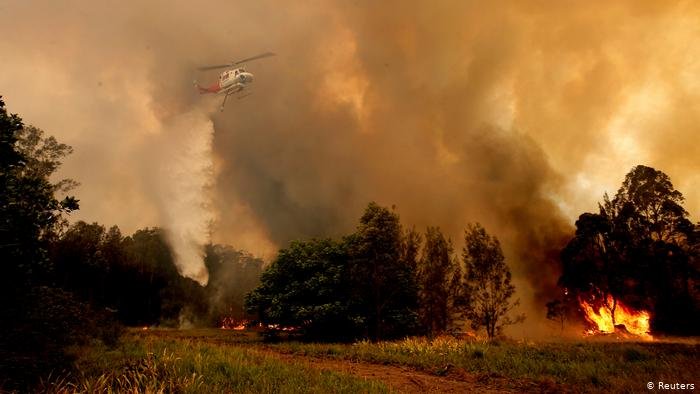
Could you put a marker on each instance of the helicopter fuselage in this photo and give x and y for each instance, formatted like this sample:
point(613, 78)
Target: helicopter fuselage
point(234, 79)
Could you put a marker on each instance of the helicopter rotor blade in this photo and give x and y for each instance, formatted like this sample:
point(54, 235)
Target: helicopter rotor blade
point(205, 68)
point(260, 56)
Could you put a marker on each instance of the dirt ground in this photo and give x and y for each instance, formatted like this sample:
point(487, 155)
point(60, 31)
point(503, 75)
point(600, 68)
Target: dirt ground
point(407, 380)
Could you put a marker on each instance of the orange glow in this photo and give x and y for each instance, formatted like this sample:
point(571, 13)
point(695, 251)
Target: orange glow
point(635, 322)
point(229, 323)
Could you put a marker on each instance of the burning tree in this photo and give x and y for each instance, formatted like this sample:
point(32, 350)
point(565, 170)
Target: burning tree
point(635, 256)
point(489, 286)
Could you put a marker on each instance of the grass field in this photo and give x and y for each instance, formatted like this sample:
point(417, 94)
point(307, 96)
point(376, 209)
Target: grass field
point(148, 363)
point(574, 366)
point(228, 361)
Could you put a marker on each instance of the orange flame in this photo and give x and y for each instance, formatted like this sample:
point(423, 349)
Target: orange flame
point(229, 323)
point(635, 322)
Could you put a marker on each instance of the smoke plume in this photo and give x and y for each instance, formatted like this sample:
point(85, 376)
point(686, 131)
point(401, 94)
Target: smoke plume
point(185, 177)
point(519, 115)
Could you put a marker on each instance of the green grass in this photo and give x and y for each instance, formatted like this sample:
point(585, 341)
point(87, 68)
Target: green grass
point(152, 363)
point(576, 366)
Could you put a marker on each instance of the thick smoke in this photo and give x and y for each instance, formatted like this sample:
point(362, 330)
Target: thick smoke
point(519, 115)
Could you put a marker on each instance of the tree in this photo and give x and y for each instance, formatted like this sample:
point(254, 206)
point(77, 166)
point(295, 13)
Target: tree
point(593, 265)
point(410, 247)
point(648, 207)
point(488, 282)
point(30, 214)
point(10, 157)
point(557, 312)
point(458, 298)
point(307, 287)
point(364, 286)
point(437, 272)
point(638, 249)
point(384, 280)
point(232, 275)
point(158, 292)
point(79, 262)
point(43, 155)
point(34, 329)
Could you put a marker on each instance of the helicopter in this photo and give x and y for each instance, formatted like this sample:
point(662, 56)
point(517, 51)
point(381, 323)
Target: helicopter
point(231, 81)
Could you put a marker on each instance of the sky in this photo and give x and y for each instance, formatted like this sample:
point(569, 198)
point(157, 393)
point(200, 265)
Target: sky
point(517, 115)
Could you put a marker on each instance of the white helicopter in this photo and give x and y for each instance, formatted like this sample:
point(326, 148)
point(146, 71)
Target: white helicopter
point(231, 81)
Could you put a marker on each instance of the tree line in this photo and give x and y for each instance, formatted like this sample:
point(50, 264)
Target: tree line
point(384, 281)
point(135, 277)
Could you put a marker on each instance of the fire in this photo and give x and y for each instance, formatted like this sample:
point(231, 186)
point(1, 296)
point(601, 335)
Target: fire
point(229, 323)
point(281, 328)
point(635, 322)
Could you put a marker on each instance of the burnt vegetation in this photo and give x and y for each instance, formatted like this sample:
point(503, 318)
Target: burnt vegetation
point(62, 284)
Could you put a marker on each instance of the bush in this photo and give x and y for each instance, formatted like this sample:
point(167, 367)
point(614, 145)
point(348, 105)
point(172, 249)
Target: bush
point(42, 324)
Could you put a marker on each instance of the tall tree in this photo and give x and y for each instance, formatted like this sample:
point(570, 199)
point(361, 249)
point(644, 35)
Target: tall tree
point(436, 275)
point(488, 282)
point(384, 280)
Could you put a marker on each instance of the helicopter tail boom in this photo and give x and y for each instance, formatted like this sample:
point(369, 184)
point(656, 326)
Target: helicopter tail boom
point(214, 88)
